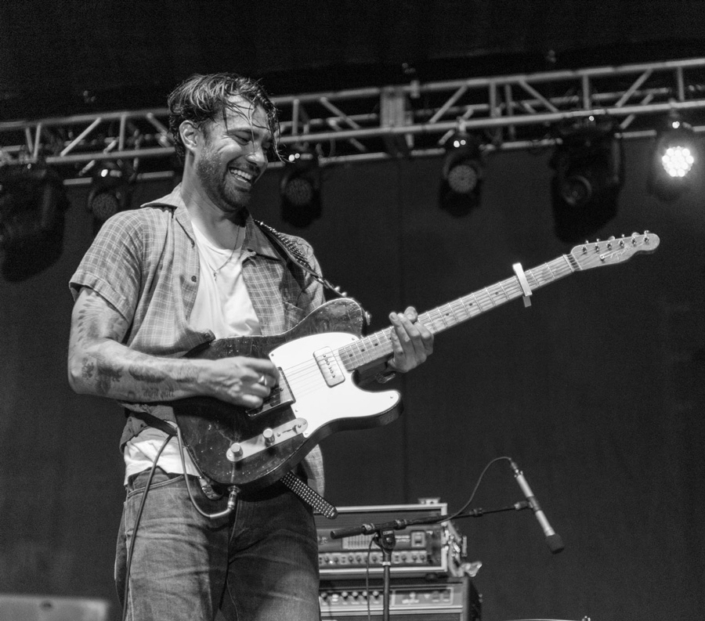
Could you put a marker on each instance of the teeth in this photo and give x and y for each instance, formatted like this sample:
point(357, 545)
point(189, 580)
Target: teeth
point(240, 173)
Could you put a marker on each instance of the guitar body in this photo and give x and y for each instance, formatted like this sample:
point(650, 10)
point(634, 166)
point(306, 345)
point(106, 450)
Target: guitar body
point(250, 449)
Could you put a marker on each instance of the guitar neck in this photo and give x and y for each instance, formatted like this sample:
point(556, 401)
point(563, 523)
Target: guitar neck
point(378, 346)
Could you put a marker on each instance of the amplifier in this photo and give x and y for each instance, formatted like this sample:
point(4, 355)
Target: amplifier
point(421, 549)
point(452, 599)
point(52, 608)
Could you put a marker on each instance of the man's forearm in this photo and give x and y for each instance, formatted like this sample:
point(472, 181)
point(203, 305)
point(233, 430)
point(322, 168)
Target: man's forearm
point(109, 369)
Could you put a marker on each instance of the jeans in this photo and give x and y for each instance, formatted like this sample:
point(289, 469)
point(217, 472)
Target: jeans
point(260, 563)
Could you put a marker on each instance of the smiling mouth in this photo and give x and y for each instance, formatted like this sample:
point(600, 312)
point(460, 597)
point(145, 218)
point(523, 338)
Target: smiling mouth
point(242, 176)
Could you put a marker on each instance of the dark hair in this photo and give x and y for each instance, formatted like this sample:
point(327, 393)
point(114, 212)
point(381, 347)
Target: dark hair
point(201, 97)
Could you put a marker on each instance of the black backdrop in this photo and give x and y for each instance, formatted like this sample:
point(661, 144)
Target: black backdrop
point(596, 392)
point(60, 57)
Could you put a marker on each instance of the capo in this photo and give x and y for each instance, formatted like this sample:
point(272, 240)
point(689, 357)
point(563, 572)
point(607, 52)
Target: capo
point(521, 277)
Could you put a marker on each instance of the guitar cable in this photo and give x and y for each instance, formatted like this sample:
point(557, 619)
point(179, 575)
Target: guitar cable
point(232, 500)
point(138, 517)
point(232, 497)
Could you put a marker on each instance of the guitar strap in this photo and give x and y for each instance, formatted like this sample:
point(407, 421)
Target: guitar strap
point(289, 251)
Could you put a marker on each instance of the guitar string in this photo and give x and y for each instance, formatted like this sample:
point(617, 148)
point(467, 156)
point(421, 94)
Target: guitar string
point(458, 309)
point(308, 374)
point(509, 289)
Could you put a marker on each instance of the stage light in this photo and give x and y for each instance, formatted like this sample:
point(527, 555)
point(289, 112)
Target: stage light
point(111, 190)
point(463, 173)
point(32, 207)
point(674, 157)
point(300, 188)
point(589, 173)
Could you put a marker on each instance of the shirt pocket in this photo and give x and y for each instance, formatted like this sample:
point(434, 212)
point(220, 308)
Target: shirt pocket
point(293, 314)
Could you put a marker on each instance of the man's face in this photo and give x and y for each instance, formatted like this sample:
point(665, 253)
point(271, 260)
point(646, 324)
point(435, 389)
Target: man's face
point(232, 154)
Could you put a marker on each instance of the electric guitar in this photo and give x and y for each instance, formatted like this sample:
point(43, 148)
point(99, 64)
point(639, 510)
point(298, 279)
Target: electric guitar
point(317, 394)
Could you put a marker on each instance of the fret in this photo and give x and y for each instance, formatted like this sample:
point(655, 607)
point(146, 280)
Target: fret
point(432, 320)
point(491, 296)
point(504, 285)
point(544, 275)
point(471, 306)
point(448, 316)
point(460, 310)
point(484, 302)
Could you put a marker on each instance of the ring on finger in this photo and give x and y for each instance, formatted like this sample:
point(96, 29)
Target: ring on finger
point(262, 379)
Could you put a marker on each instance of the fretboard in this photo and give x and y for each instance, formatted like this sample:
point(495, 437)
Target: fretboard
point(378, 346)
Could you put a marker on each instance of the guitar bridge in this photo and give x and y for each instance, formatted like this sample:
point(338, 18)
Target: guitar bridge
point(268, 438)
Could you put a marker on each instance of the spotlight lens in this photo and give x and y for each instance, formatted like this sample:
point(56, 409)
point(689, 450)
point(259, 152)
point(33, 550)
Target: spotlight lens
point(677, 161)
point(462, 178)
point(104, 205)
point(299, 191)
point(576, 191)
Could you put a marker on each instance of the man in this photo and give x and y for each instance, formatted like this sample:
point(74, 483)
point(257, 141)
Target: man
point(159, 281)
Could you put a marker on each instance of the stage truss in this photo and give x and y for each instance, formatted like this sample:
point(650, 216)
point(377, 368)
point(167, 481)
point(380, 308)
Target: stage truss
point(408, 120)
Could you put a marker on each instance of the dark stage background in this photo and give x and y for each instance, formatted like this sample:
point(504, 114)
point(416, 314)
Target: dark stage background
point(596, 392)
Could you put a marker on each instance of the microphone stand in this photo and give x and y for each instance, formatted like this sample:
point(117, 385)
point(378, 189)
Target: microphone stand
point(385, 539)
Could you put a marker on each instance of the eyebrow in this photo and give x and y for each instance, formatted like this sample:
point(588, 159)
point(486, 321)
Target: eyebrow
point(258, 132)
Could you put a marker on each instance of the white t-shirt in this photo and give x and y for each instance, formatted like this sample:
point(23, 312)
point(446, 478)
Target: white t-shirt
point(222, 306)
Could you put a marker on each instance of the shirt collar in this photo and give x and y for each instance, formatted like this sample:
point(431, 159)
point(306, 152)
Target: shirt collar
point(255, 239)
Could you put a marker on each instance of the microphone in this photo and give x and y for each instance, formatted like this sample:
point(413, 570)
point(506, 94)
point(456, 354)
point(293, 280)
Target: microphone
point(554, 541)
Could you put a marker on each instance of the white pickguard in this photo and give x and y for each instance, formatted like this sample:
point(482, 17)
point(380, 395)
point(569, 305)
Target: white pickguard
point(316, 401)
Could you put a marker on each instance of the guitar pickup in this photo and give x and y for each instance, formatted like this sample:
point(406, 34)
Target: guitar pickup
point(268, 438)
point(329, 367)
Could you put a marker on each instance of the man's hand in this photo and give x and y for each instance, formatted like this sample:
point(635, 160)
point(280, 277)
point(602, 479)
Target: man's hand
point(411, 340)
point(241, 381)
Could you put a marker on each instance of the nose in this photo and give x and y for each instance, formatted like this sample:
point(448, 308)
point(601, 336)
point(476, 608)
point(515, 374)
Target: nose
point(257, 155)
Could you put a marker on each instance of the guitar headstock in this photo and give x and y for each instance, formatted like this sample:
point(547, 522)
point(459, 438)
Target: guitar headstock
point(613, 250)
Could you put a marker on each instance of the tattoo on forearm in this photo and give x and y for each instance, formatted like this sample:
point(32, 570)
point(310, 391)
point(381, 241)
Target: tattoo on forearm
point(106, 376)
point(97, 344)
point(142, 374)
point(88, 370)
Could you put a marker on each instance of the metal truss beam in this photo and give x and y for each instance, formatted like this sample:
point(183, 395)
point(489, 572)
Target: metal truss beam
point(411, 120)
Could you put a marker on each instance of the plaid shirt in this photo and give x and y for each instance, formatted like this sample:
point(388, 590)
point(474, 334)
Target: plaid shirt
point(145, 263)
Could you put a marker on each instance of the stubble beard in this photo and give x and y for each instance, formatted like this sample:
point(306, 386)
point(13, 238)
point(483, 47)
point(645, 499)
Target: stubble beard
point(217, 187)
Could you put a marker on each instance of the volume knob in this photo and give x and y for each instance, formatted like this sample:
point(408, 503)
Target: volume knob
point(234, 452)
point(268, 435)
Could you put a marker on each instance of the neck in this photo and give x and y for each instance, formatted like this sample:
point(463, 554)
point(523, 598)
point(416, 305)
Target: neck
point(220, 227)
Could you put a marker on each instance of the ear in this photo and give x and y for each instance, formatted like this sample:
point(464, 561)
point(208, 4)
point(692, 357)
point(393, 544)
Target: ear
point(190, 134)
